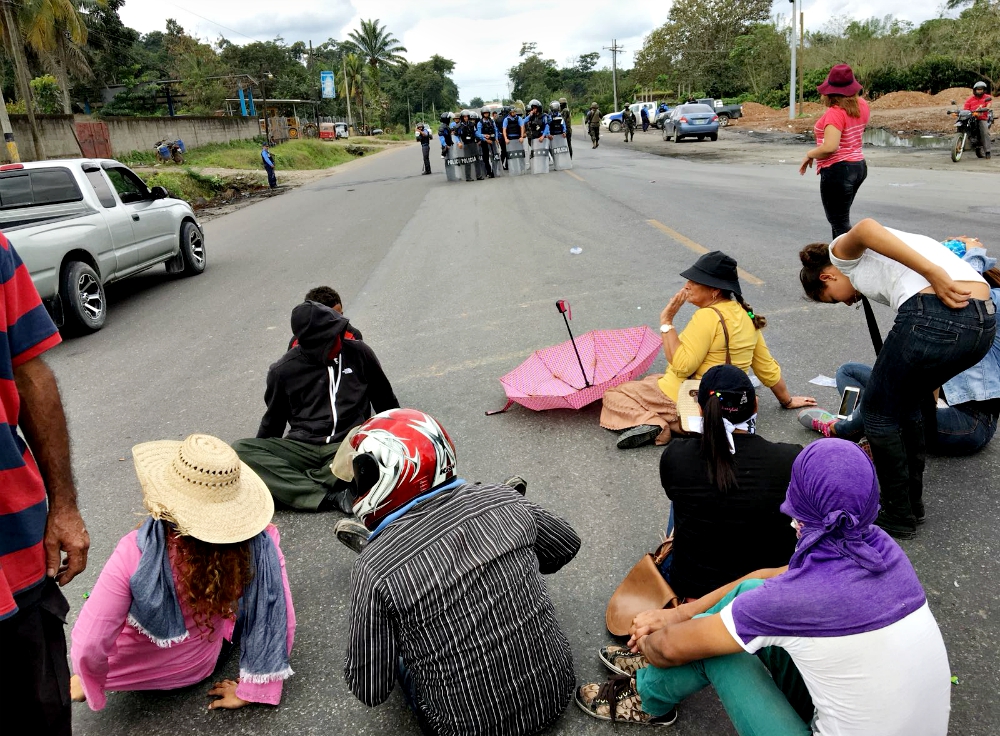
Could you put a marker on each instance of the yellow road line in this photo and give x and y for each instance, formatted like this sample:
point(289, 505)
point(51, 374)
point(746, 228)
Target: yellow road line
point(697, 248)
point(576, 176)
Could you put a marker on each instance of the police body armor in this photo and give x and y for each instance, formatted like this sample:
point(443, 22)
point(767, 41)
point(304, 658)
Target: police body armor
point(535, 125)
point(515, 149)
point(559, 148)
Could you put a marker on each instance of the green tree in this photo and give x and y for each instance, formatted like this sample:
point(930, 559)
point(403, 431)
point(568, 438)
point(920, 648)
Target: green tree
point(476, 102)
point(377, 47)
point(48, 96)
point(761, 58)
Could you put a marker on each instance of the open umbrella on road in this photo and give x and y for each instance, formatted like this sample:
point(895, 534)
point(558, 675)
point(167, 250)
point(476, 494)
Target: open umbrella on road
point(578, 372)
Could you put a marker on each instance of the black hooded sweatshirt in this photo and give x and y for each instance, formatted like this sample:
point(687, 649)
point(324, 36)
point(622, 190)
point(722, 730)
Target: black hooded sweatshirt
point(322, 398)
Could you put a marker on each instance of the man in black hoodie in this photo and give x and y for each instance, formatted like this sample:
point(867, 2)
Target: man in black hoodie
point(321, 389)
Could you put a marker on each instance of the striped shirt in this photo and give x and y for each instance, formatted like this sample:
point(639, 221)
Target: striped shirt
point(28, 331)
point(851, 132)
point(453, 589)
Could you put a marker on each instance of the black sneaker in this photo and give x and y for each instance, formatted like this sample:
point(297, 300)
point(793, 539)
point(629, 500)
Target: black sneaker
point(518, 483)
point(352, 533)
point(895, 528)
point(638, 436)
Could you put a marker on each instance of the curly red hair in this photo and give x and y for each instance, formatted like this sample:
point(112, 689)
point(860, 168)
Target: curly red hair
point(211, 577)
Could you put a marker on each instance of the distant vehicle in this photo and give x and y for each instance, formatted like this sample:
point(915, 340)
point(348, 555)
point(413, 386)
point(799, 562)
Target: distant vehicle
point(79, 224)
point(662, 113)
point(613, 121)
point(725, 112)
point(342, 130)
point(376, 131)
point(967, 130)
point(691, 121)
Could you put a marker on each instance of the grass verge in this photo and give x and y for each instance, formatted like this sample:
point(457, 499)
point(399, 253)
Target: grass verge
point(301, 154)
point(199, 189)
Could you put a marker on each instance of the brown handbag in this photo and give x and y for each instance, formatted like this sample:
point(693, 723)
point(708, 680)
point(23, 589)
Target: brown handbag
point(642, 589)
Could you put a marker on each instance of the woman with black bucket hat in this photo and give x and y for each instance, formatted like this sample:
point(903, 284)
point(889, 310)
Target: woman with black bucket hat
point(724, 329)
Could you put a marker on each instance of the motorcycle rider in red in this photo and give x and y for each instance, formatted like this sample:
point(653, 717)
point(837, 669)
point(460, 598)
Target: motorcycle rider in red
point(977, 101)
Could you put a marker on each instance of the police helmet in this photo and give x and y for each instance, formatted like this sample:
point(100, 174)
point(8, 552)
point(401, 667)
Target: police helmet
point(485, 110)
point(465, 113)
point(593, 105)
point(505, 110)
point(473, 115)
point(554, 106)
point(445, 117)
point(535, 103)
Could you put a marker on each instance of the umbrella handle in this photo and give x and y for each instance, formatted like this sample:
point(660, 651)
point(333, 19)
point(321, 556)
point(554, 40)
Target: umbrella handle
point(510, 403)
point(563, 308)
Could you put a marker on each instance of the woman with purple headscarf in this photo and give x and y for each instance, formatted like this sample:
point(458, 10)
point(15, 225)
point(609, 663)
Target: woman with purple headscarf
point(848, 611)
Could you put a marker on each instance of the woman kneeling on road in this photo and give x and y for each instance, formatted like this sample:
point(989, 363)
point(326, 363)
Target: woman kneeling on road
point(724, 329)
point(847, 618)
point(203, 573)
point(945, 323)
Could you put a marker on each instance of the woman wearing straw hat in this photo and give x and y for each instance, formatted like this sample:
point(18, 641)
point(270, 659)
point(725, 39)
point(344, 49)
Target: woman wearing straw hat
point(202, 572)
point(724, 329)
point(840, 162)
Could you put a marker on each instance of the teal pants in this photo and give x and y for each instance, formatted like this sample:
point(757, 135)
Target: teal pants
point(296, 473)
point(747, 685)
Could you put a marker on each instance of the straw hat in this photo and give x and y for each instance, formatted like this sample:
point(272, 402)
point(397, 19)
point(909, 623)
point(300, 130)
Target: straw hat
point(687, 404)
point(202, 487)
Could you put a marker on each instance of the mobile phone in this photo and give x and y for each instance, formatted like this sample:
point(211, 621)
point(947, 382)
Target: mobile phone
point(849, 402)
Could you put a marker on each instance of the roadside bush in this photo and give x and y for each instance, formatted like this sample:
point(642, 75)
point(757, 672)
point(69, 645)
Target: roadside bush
point(47, 94)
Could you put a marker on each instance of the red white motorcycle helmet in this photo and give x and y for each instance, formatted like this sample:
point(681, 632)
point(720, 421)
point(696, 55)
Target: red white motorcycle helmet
point(398, 455)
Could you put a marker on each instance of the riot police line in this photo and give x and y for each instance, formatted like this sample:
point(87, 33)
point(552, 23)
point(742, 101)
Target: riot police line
point(488, 143)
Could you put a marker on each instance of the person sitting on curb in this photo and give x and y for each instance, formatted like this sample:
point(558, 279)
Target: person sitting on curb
point(448, 591)
point(320, 389)
point(203, 574)
point(847, 618)
point(329, 297)
point(724, 329)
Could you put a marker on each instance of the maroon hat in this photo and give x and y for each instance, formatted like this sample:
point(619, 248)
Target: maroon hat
point(840, 81)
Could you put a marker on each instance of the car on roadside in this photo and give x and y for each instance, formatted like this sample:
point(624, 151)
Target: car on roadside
point(79, 224)
point(377, 131)
point(725, 112)
point(613, 120)
point(691, 121)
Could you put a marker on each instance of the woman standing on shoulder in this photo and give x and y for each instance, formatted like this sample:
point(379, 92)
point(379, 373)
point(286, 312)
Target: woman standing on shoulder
point(840, 162)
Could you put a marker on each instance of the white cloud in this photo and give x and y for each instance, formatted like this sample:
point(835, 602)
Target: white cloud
point(482, 38)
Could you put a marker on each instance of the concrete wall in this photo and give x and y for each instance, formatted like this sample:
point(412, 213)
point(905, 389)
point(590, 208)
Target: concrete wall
point(129, 134)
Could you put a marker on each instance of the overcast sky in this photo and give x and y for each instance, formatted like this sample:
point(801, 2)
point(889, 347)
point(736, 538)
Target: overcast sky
point(482, 38)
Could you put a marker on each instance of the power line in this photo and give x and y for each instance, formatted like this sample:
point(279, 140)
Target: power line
point(215, 23)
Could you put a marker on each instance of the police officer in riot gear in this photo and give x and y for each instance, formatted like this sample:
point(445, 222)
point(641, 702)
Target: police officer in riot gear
point(474, 118)
point(499, 120)
point(537, 123)
point(444, 133)
point(486, 131)
point(567, 117)
point(513, 130)
point(467, 141)
point(593, 121)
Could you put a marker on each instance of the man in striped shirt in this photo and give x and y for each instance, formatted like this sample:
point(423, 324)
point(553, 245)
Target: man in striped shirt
point(448, 597)
point(39, 519)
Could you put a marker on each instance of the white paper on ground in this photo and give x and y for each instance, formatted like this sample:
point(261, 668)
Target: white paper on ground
point(822, 380)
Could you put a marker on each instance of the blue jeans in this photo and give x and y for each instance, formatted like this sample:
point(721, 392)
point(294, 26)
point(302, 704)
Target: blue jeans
point(929, 343)
point(856, 375)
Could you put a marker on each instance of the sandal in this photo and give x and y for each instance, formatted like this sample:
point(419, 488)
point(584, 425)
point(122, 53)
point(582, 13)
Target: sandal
point(622, 660)
point(596, 701)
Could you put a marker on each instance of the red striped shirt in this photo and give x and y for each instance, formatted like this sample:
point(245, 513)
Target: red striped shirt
point(851, 132)
point(26, 331)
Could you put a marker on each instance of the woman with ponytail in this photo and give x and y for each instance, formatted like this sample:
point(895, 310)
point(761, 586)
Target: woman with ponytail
point(724, 329)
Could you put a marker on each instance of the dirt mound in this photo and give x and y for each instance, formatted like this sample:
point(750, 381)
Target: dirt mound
point(900, 100)
point(959, 94)
point(754, 111)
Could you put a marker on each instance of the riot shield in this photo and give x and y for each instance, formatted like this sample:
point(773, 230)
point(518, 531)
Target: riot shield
point(498, 169)
point(540, 156)
point(516, 165)
point(560, 153)
point(451, 164)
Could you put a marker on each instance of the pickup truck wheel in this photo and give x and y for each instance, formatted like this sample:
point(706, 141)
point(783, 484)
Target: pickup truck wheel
point(664, 133)
point(83, 296)
point(723, 120)
point(193, 249)
point(614, 126)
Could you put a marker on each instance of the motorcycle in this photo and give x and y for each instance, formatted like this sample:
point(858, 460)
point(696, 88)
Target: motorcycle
point(967, 127)
point(170, 151)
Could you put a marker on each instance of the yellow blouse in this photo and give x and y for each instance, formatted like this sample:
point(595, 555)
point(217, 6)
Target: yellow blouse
point(703, 345)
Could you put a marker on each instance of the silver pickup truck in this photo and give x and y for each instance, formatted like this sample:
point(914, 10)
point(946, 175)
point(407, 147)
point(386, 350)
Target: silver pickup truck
point(79, 224)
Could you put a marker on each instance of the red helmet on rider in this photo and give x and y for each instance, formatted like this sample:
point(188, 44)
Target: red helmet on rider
point(399, 455)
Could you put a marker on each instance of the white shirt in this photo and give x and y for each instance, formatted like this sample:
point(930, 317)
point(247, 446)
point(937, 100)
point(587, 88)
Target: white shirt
point(888, 282)
point(893, 681)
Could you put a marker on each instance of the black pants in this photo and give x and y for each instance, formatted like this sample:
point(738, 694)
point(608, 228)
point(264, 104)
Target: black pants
point(272, 180)
point(503, 152)
point(427, 158)
point(487, 150)
point(569, 142)
point(837, 186)
point(34, 675)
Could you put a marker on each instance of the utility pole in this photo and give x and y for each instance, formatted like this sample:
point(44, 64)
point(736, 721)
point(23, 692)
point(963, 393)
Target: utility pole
point(802, 60)
point(791, 79)
point(614, 48)
point(347, 91)
point(8, 134)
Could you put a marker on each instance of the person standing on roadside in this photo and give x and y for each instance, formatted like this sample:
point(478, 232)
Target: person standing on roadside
point(840, 161)
point(567, 116)
point(265, 156)
point(593, 121)
point(39, 518)
point(424, 137)
point(644, 113)
point(628, 123)
point(976, 103)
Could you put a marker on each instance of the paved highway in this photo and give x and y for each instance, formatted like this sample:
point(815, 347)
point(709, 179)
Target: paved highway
point(453, 285)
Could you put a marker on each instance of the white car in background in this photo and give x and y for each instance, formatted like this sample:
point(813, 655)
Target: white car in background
point(613, 120)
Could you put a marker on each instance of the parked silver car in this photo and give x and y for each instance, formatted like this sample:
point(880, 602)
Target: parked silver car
point(79, 224)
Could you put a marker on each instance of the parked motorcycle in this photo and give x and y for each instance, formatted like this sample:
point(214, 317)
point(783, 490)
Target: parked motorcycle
point(967, 127)
point(170, 151)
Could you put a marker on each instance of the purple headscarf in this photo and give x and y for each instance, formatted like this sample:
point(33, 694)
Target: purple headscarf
point(846, 576)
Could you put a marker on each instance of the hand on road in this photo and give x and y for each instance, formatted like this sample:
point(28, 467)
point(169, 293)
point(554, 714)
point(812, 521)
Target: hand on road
point(673, 307)
point(76, 689)
point(807, 163)
point(65, 532)
point(948, 290)
point(649, 621)
point(226, 693)
point(800, 402)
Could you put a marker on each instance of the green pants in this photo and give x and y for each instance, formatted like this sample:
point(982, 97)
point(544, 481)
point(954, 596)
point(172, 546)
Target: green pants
point(297, 474)
point(763, 695)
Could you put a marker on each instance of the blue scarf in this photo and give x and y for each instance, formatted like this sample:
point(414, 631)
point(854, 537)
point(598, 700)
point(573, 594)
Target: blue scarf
point(156, 612)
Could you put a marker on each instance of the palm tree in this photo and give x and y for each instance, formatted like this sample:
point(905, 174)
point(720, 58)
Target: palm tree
point(377, 47)
point(355, 81)
point(54, 30)
point(10, 26)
